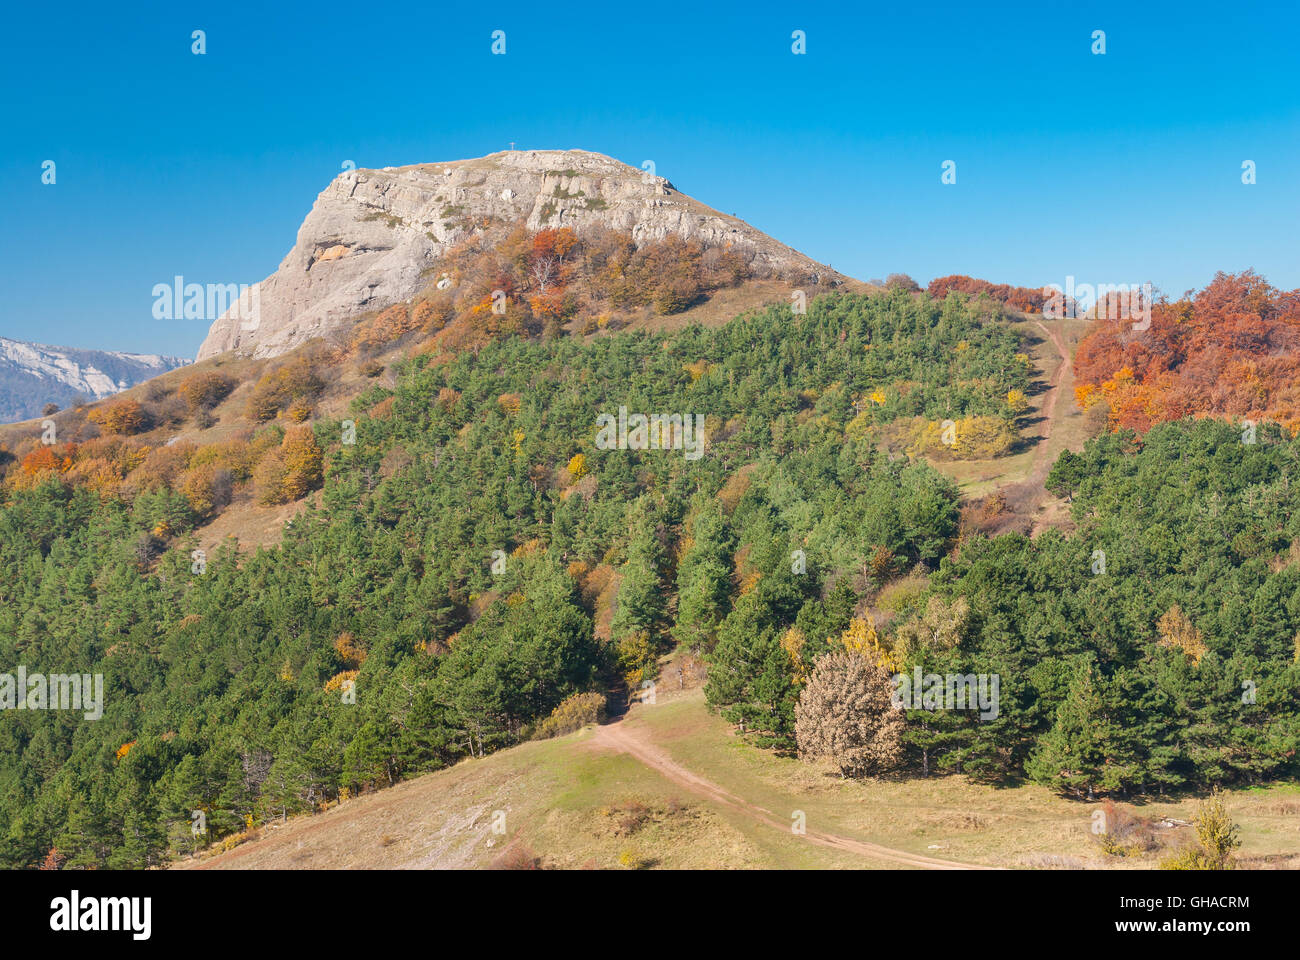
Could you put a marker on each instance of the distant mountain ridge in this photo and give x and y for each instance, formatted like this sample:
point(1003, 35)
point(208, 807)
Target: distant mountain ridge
point(34, 374)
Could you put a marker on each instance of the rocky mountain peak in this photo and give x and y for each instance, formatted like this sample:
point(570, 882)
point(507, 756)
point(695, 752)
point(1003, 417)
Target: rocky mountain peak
point(373, 236)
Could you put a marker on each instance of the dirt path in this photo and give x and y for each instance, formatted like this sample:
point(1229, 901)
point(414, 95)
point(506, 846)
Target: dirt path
point(1043, 510)
point(1042, 463)
point(629, 740)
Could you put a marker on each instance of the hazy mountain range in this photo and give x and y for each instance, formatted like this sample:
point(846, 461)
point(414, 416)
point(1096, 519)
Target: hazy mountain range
point(33, 374)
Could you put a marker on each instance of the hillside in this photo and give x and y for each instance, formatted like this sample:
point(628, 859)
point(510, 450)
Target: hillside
point(478, 561)
point(670, 788)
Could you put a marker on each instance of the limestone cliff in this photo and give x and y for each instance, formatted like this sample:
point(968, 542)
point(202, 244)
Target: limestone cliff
point(373, 236)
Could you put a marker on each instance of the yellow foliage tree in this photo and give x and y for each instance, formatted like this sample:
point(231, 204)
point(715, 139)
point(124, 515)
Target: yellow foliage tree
point(792, 642)
point(302, 461)
point(203, 391)
point(861, 638)
point(336, 682)
point(1178, 632)
point(350, 650)
point(578, 466)
point(972, 438)
point(697, 369)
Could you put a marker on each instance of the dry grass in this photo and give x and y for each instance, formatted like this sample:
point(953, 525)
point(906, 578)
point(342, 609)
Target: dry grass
point(574, 803)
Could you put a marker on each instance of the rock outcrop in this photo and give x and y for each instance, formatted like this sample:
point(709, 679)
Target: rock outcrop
point(374, 237)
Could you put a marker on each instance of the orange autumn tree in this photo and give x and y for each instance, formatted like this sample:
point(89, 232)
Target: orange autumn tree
point(124, 416)
point(292, 470)
point(1233, 349)
point(550, 259)
point(550, 265)
point(44, 459)
point(302, 460)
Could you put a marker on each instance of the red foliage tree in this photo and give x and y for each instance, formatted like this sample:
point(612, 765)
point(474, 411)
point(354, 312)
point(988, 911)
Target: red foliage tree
point(1025, 299)
point(1233, 349)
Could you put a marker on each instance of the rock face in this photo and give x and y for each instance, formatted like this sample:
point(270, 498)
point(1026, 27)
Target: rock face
point(373, 237)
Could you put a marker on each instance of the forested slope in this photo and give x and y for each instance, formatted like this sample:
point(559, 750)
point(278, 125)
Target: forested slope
point(476, 560)
point(228, 689)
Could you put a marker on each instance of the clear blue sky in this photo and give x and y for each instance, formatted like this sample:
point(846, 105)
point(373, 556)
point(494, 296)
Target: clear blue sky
point(1117, 168)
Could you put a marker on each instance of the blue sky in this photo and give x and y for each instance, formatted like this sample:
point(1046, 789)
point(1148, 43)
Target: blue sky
point(1122, 168)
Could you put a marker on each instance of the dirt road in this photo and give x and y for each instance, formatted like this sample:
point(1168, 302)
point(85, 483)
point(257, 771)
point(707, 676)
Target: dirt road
point(1042, 463)
point(630, 740)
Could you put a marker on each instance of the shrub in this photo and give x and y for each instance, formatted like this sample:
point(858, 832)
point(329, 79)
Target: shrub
point(517, 856)
point(124, 416)
point(1216, 831)
point(1188, 858)
point(1216, 835)
point(629, 816)
point(573, 713)
point(1124, 834)
point(203, 391)
point(296, 380)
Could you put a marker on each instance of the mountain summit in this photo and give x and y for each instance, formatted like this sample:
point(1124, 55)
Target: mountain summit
point(374, 237)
